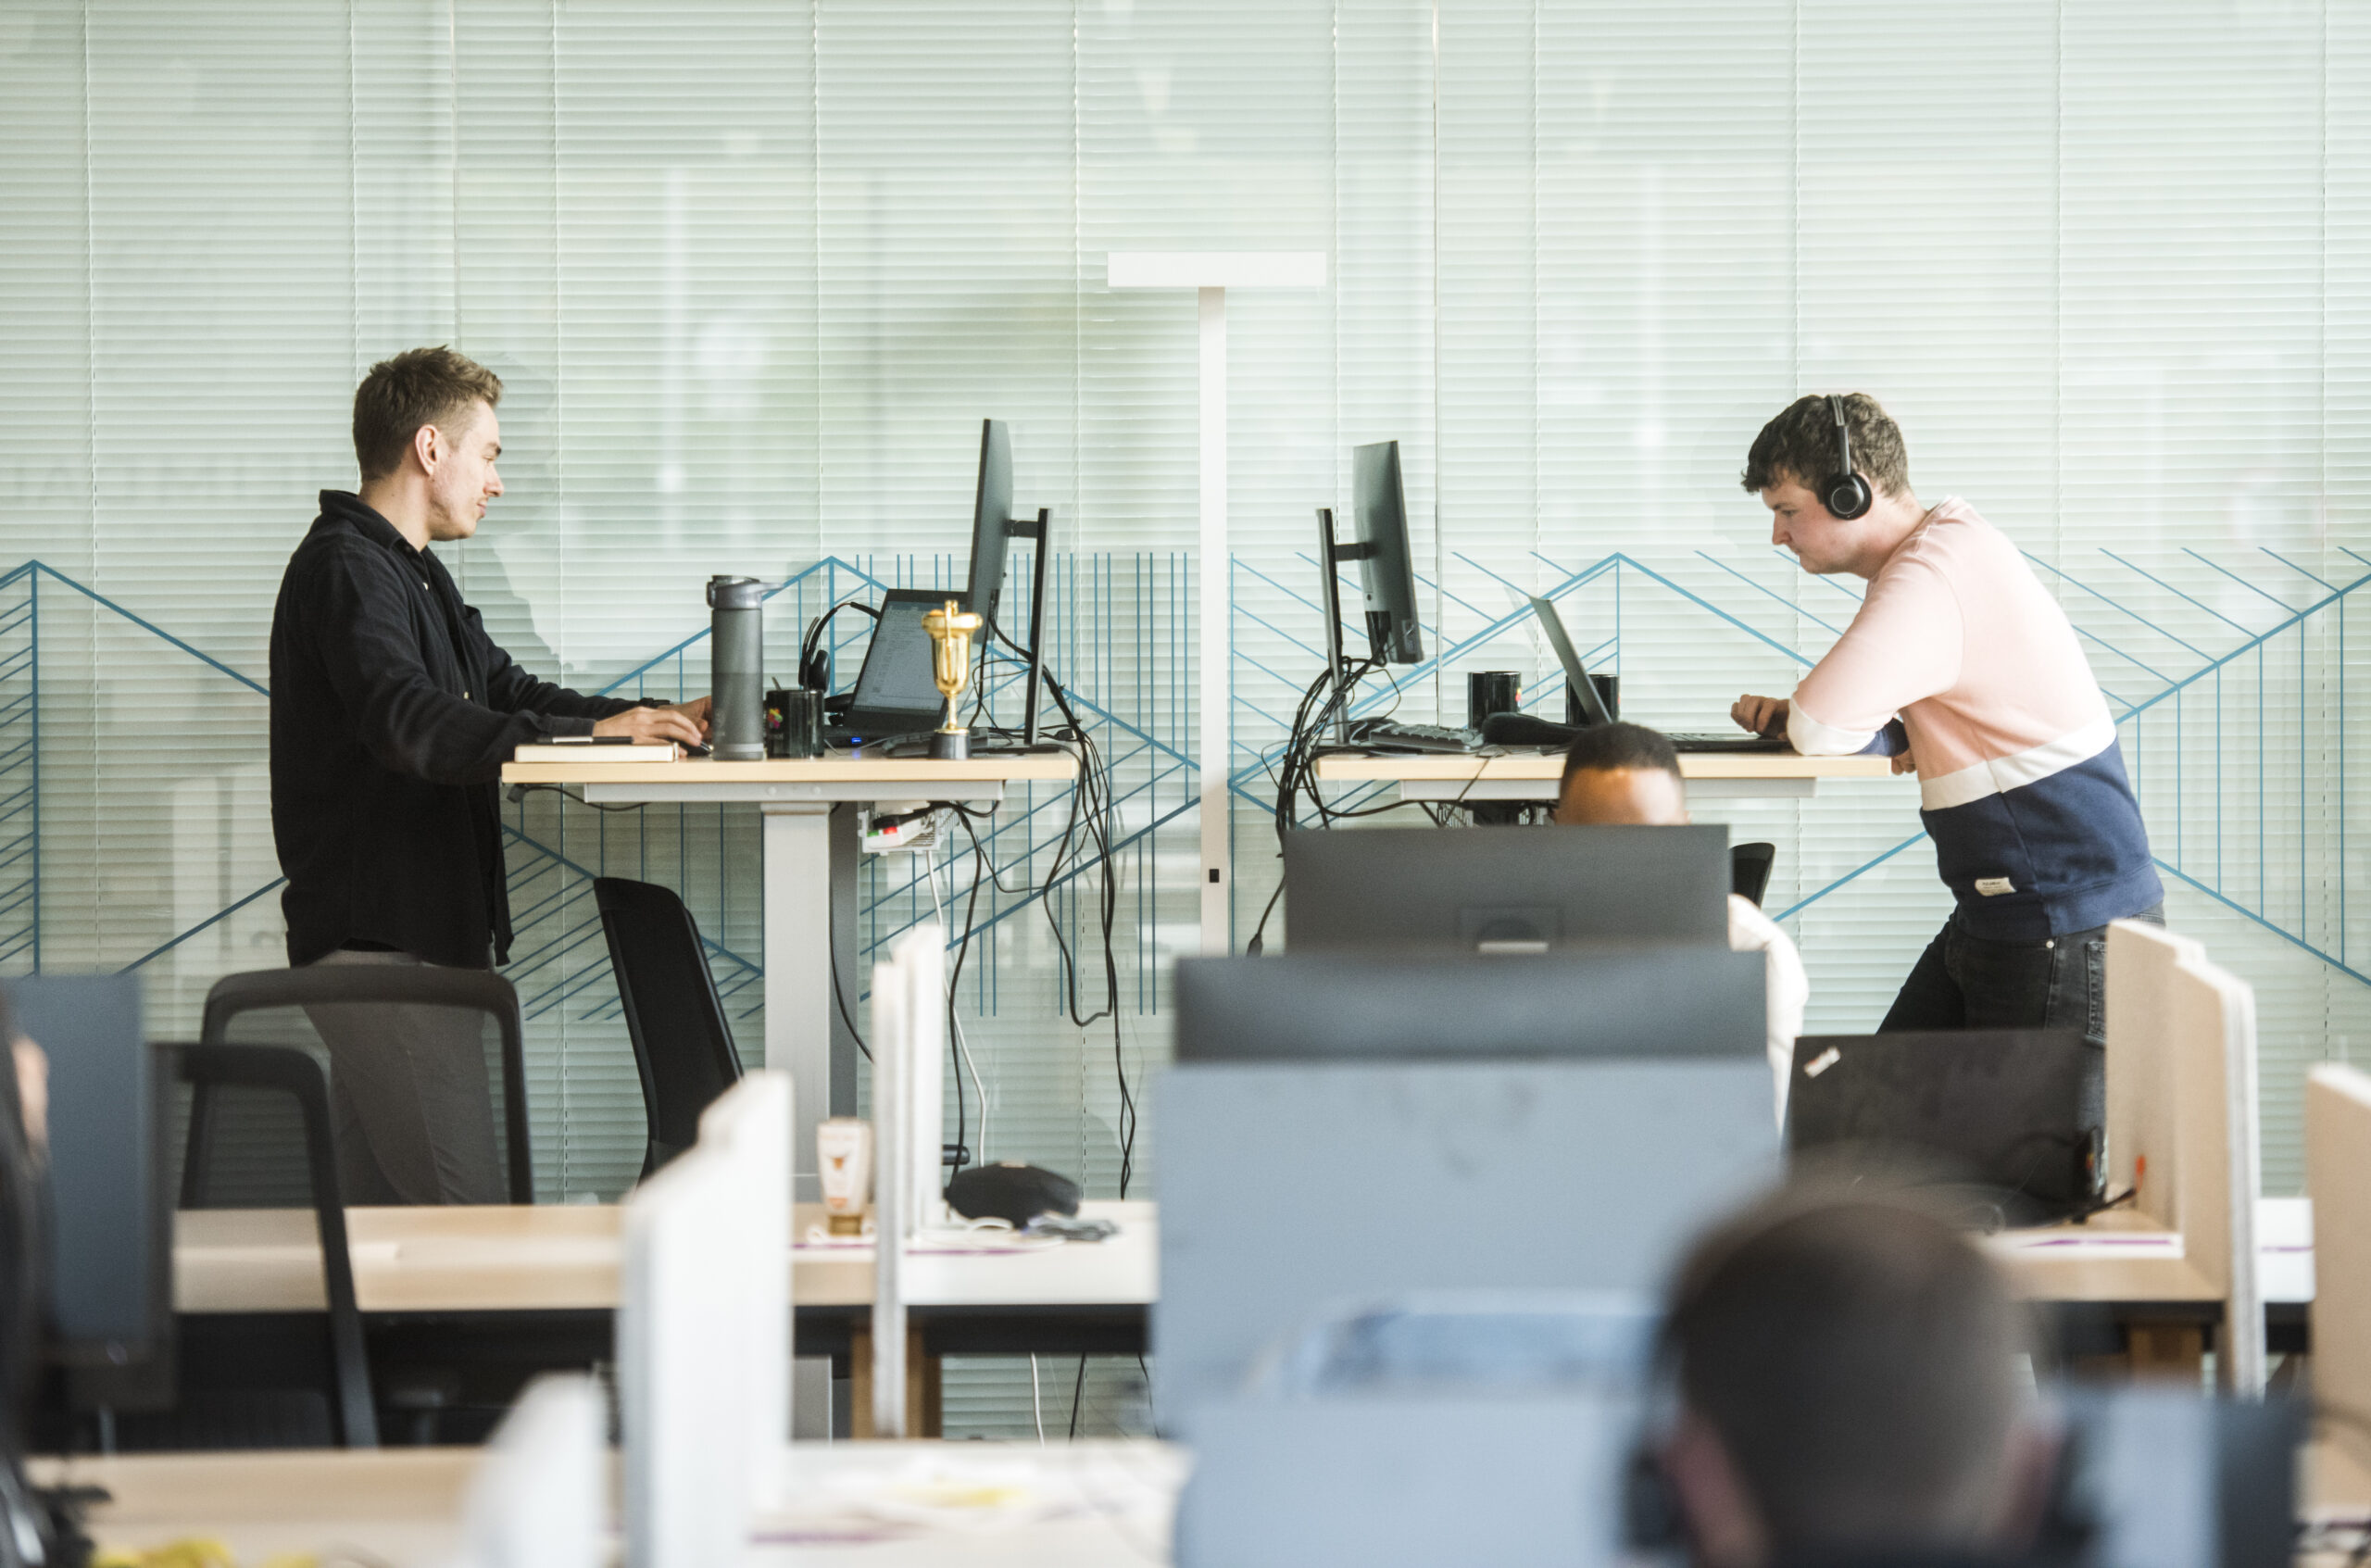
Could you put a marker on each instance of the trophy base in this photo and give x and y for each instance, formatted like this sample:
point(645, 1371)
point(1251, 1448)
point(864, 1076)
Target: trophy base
point(950, 746)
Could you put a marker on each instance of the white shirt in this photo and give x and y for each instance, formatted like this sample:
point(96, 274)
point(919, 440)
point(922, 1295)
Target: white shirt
point(1785, 989)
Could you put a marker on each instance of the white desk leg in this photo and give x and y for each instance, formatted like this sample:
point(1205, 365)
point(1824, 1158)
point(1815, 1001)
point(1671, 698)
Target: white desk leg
point(1215, 749)
point(805, 1036)
point(809, 877)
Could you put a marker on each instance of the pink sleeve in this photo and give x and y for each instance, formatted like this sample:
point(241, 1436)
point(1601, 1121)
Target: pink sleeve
point(1904, 644)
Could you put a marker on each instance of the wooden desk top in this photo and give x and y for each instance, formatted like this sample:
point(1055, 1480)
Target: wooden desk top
point(2118, 1256)
point(1533, 765)
point(2335, 1477)
point(401, 1505)
point(877, 1505)
point(837, 768)
point(565, 1257)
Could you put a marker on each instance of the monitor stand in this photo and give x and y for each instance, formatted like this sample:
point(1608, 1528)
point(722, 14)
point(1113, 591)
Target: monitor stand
point(1329, 556)
point(1038, 530)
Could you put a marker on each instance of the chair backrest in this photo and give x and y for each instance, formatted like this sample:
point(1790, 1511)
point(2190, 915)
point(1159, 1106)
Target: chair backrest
point(682, 1045)
point(479, 990)
point(294, 1072)
point(1750, 870)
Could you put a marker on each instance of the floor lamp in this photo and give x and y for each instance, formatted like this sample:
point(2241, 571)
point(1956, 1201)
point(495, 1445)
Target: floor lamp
point(1210, 274)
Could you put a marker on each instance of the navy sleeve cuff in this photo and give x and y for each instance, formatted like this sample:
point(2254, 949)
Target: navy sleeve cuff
point(1891, 741)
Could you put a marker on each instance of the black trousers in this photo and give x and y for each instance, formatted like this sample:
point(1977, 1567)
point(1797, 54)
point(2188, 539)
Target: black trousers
point(1968, 982)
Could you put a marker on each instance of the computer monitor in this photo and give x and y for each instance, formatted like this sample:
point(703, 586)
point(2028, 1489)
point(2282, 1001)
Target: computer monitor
point(993, 527)
point(1665, 999)
point(111, 1206)
point(1290, 1187)
point(991, 514)
point(1505, 889)
point(1386, 567)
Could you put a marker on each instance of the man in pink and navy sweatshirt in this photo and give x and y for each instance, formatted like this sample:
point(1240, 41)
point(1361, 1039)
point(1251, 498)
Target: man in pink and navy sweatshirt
point(1963, 668)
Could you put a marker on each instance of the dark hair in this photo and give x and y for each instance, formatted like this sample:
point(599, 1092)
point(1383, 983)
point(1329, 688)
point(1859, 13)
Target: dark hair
point(1800, 444)
point(1620, 748)
point(1858, 1360)
point(419, 386)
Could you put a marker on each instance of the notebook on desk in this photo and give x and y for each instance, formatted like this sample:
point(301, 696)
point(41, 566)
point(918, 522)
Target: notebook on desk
point(1577, 678)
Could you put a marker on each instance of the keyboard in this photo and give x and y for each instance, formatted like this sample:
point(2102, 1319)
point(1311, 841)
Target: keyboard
point(1382, 734)
point(1523, 729)
point(1733, 740)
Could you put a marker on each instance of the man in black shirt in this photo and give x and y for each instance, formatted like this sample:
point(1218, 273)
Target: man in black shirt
point(392, 714)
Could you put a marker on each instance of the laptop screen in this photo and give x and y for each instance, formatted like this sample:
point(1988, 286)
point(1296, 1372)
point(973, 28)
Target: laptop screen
point(897, 674)
point(1574, 676)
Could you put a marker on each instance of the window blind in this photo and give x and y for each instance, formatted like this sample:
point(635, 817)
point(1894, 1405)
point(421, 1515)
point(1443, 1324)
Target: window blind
point(754, 273)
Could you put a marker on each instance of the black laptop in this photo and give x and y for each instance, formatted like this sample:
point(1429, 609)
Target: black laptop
point(2011, 1119)
point(1594, 706)
point(895, 692)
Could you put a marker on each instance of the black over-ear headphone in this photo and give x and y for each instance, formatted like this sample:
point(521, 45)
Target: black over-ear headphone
point(1844, 492)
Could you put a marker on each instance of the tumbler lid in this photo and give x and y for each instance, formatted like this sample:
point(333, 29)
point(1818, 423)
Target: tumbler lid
point(734, 593)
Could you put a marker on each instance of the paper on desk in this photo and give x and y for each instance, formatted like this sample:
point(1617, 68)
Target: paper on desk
point(2071, 1243)
point(378, 1254)
point(969, 1489)
point(946, 1241)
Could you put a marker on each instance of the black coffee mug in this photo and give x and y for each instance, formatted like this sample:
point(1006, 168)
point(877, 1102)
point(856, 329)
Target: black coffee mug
point(1609, 692)
point(1491, 691)
point(795, 722)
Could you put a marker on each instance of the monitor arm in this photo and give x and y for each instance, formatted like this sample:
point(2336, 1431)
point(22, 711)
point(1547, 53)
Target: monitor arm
point(1040, 531)
point(1329, 556)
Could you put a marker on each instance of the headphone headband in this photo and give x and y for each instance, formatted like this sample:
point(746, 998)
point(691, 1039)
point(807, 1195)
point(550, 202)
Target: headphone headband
point(1845, 495)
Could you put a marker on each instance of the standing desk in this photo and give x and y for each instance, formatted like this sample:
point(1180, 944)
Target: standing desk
point(511, 1290)
point(809, 806)
point(564, 1258)
point(1534, 776)
point(1103, 1504)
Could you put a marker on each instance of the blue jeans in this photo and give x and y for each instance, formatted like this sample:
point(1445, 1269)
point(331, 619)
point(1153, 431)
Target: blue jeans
point(1968, 982)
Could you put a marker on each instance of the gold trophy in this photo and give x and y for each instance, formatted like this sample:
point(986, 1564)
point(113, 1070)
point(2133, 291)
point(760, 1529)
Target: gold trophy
point(950, 667)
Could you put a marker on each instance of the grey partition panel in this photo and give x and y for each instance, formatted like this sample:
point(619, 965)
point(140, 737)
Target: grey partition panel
point(110, 1212)
point(1604, 999)
point(1288, 1189)
point(1438, 1481)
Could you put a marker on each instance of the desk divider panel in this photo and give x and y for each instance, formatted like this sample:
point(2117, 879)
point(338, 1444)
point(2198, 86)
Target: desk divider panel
point(2338, 1175)
point(2181, 1118)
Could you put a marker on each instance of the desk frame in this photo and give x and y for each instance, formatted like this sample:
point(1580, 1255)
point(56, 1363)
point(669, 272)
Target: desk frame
point(808, 807)
point(1534, 776)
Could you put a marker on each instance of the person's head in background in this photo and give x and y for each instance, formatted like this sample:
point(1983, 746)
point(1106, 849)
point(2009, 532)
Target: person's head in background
point(1622, 774)
point(1800, 450)
point(426, 438)
point(1849, 1386)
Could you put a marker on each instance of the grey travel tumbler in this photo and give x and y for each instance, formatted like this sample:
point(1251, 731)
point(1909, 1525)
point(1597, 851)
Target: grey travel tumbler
point(736, 669)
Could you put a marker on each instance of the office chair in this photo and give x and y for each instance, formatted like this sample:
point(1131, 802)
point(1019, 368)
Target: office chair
point(682, 1045)
point(476, 989)
point(244, 1416)
point(1750, 870)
